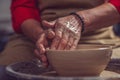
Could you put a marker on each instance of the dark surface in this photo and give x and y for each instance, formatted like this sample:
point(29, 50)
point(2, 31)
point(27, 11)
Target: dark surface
point(114, 65)
point(32, 68)
point(26, 71)
point(3, 74)
point(116, 29)
point(28, 68)
point(4, 37)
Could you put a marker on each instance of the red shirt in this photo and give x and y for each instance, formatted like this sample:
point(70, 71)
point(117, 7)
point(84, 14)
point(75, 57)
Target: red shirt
point(26, 9)
point(22, 10)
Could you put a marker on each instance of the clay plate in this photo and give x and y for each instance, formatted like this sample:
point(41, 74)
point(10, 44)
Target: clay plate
point(22, 71)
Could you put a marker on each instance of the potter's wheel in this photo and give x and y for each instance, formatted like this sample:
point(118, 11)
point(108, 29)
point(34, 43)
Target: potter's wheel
point(15, 70)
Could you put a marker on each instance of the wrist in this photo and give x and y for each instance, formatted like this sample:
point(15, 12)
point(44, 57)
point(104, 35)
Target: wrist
point(32, 29)
point(100, 17)
point(81, 20)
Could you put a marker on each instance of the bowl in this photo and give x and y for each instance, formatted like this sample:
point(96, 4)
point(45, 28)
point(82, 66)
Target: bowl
point(85, 60)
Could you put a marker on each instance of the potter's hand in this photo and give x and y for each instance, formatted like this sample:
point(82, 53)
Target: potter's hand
point(42, 44)
point(67, 32)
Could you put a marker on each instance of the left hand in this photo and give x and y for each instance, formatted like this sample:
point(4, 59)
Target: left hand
point(67, 32)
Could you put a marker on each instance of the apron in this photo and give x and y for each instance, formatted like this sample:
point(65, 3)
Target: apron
point(51, 10)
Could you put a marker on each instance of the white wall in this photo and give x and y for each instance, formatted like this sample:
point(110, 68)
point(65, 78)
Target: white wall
point(5, 19)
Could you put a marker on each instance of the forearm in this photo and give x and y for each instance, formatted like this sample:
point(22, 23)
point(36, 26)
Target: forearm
point(32, 29)
point(99, 17)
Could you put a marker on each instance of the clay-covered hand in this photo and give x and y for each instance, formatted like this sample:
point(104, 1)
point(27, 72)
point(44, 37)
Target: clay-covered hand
point(67, 32)
point(42, 44)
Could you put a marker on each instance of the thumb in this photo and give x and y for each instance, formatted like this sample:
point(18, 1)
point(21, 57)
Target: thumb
point(48, 24)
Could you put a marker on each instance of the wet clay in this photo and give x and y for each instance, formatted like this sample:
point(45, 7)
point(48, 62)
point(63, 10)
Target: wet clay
point(28, 68)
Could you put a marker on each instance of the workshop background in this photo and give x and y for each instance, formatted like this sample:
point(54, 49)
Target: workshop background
point(5, 22)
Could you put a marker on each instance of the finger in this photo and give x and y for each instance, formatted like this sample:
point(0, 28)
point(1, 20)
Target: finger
point(41, 43)
point(56, 41)
point(37, 54)
point(64, 40)
point(50, 34)
point(70, 42)
point(75, 43)
point(42, 57)
point(76, 37)
point(42, 48)
point(58, 35)
point(48, 24)
point(44, 60)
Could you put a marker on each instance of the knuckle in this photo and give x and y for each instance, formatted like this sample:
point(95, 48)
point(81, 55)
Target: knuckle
point(40, 41)
point(58, 37)
point(63, 41)
point(69, 44)
point(60, 22)
point(74, 46)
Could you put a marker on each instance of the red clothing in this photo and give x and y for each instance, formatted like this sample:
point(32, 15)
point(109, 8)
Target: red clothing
point(22, 10)
point(116, 3)
point(25, 9)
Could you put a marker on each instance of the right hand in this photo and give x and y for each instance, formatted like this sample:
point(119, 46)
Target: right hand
point(42, 44)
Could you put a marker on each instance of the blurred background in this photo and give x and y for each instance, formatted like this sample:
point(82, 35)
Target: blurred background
point(5, 22)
